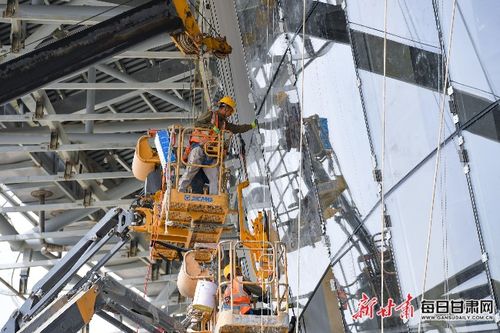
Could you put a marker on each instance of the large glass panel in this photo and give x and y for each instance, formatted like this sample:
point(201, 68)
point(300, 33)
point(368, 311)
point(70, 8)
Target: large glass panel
point(330, 91)
point(484, 167)
point(413, 20)
point(275, 158)
point(454, 257)
point(470, 105)
point(322, 313)
point(474, 53)
point(412, 119)
point(406, 63)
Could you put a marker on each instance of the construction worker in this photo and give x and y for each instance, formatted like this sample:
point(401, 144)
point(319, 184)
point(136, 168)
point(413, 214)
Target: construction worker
point(241, 294)
point(214, 122)
point(236, 290)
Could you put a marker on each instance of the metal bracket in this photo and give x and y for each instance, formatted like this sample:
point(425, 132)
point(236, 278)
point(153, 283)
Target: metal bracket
point(54, 140)
point(10, 10)
point(155, 271)
point(134, 247)
point(38, 108)
point(387, 221)
point(449, 91)
point(464, 156)
point(466, 168)
point(387, 234)
point(453, 106)
point(25, 272)
point(17, 42)
point(87, 198)
point(68, 170)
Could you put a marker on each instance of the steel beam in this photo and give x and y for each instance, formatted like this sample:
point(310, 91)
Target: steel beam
point(52, 262)
point(76, 133)
point(61, 177)
point(105, 98)
point(22, 136)
point(17, 166)
point(91, 78)
point(40, 34)
point(6, 228)
point(67, 147)
point(85, 48)
point(42, 235)
point(84, 15)
point(153, 55)
point(94, 116)
point(60, 221)
point(130, 126)
point(65, 206)
point(17, 293)
point(185, 105)
point(122, 86)
point(132, 282)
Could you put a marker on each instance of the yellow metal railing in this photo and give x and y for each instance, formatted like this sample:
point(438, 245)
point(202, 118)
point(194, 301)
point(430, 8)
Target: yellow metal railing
point(275, 280)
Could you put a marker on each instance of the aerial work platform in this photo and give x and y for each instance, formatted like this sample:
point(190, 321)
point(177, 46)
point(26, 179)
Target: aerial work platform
point(180, 219)
point(228, 322)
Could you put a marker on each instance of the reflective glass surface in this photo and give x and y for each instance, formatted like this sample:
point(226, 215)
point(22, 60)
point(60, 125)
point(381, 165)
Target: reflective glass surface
point(474, 50)
point(486, 185)
point(409, 20)
point(339, 94)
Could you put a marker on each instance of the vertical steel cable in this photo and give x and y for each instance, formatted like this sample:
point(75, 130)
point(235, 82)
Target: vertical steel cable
point(382, 180)
point(438, 155)
point(301, 130)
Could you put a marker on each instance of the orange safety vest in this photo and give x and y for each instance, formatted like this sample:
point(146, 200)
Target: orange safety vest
point(202, 136)
point(241, 300)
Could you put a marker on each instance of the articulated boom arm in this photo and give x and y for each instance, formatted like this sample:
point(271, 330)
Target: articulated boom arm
point(45, 311)
point(192, 40)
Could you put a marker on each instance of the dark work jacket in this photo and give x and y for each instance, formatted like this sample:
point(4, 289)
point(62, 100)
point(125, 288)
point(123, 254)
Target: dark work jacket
point(205, 121)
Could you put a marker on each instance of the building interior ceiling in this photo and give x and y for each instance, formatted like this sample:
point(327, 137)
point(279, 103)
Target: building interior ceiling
point(67, 145)
point(72, 180)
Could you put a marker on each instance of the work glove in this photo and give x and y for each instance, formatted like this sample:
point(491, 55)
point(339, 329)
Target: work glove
point(254, 123)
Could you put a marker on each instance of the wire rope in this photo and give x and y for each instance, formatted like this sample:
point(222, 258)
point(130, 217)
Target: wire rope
point(301, 129)
point(438, 154)
point(204, 18)
point(382, 169)
point(265, 220)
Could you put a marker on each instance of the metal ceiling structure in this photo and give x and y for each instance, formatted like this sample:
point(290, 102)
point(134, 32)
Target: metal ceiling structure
point(67, 140)
point(72, 112)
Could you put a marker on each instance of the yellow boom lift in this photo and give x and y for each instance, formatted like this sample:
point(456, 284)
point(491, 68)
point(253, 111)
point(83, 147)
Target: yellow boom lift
point(194, 222)
point(191, 41)
point(176, 220)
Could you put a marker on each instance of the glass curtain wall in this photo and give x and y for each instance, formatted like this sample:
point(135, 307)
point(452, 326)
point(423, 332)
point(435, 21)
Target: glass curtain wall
point(340, 96)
